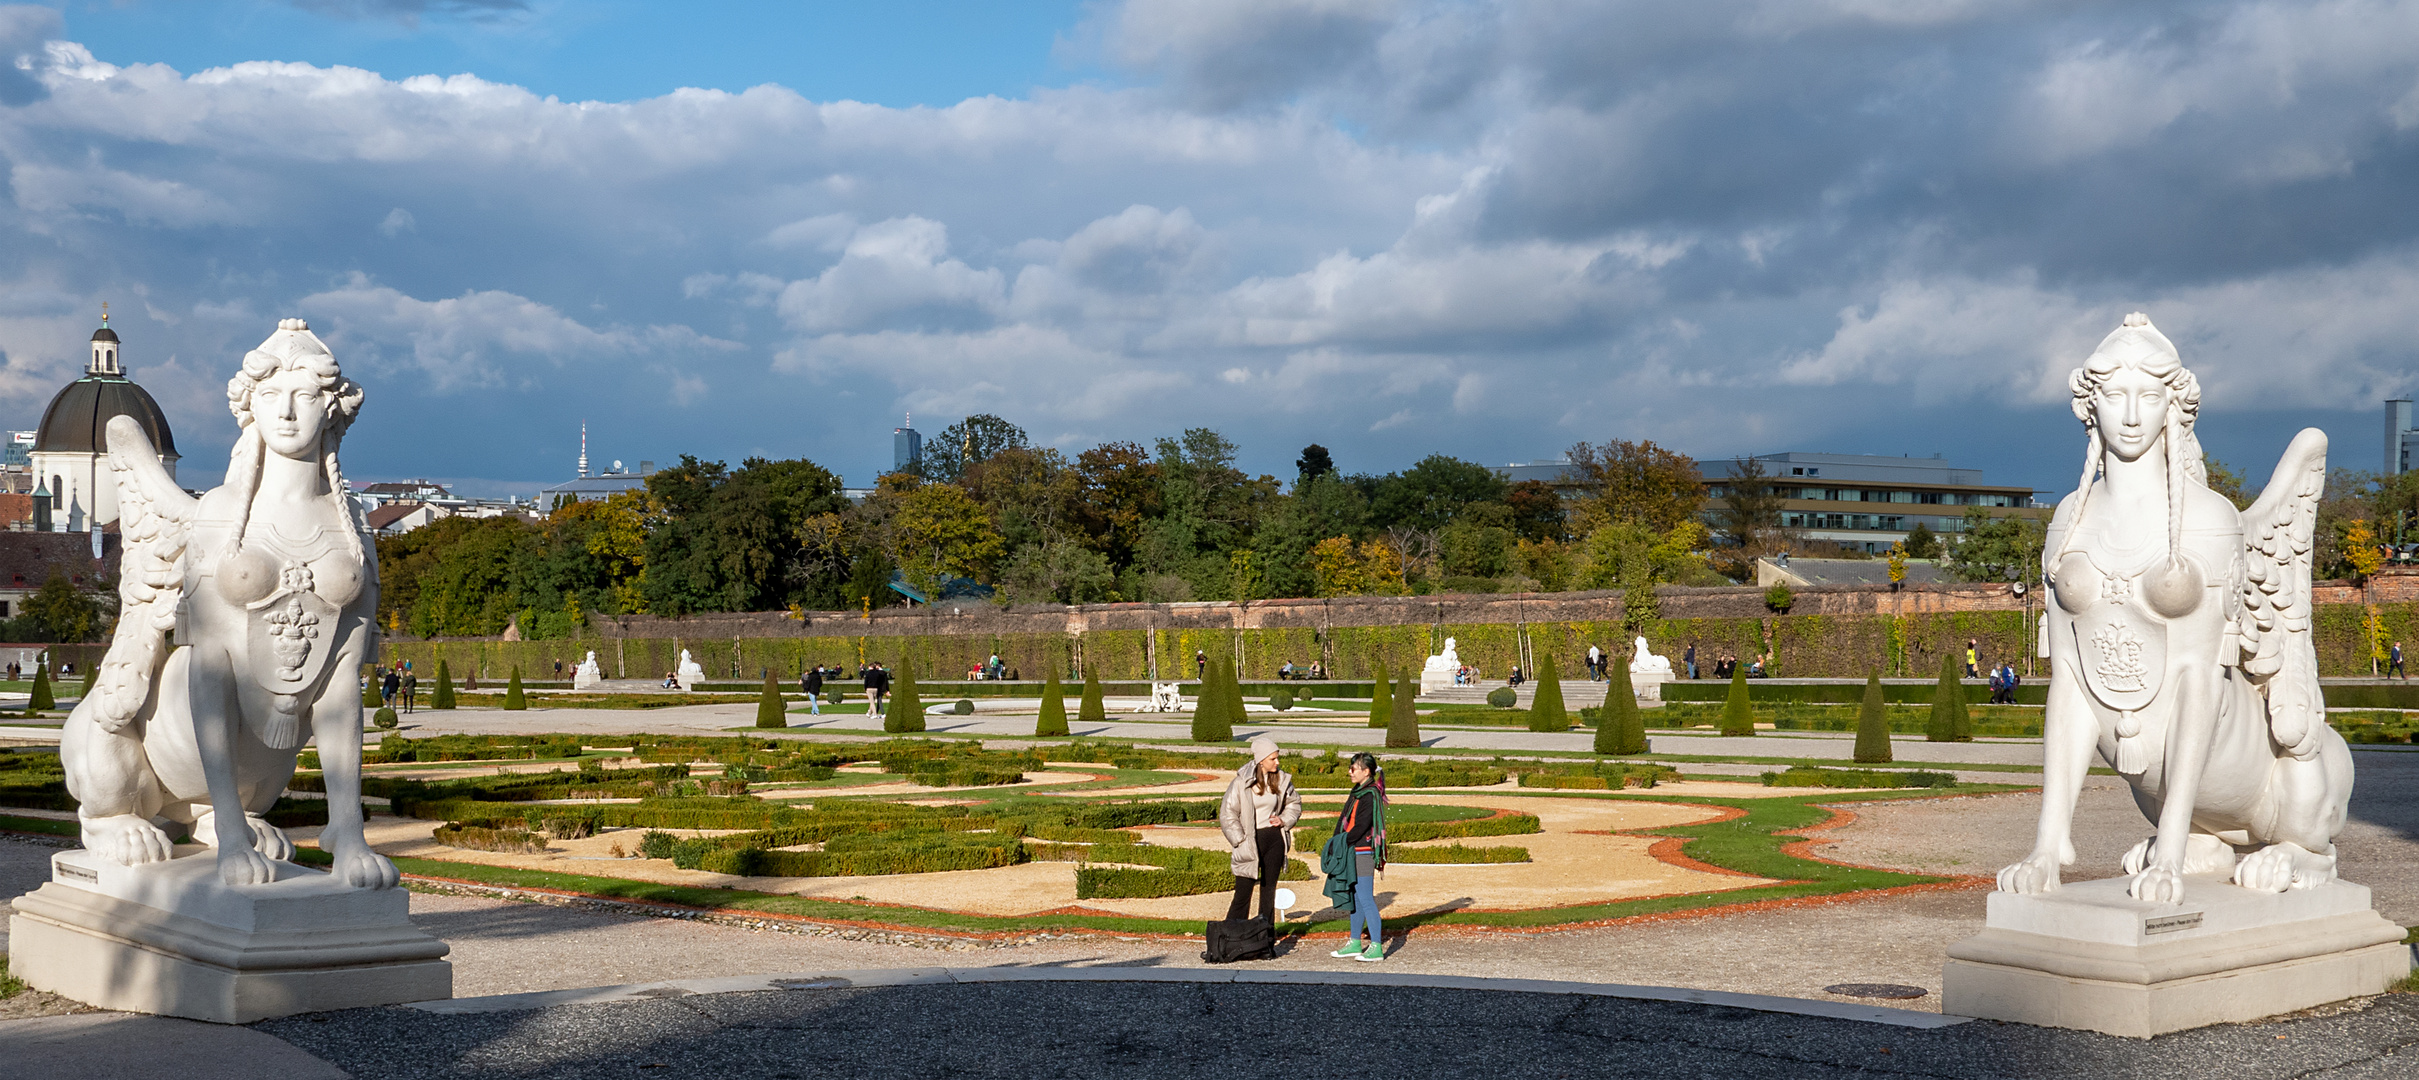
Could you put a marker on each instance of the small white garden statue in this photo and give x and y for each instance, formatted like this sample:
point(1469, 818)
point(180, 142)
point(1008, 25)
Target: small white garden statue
point(1643, 661)
point(1166, 697)
point(690, 673)
point(587, 674)
point(1440, 669)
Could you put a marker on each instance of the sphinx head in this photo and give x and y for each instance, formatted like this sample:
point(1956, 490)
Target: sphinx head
point(2134, 390)
point(291, 393)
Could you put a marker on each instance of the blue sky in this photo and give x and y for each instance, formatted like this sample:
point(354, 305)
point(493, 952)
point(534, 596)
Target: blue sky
point(1488, 228)
point(898, 52)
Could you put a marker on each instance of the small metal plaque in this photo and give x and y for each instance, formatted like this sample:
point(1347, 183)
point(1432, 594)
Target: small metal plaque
point(2168, 924)
point(68, 872)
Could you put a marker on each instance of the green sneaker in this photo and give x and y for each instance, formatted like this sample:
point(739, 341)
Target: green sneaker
point(1374, 953)
point(1350, 951)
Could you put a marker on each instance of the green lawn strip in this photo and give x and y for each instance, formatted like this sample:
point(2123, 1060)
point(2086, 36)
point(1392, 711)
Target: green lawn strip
point(43, 826)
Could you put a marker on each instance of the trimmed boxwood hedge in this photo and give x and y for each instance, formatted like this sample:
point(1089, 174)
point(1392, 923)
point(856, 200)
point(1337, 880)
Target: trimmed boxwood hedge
point(1452, 854)
point(483, 838)
point(1761, 691)
point(1132, 883)
point(1799, 776)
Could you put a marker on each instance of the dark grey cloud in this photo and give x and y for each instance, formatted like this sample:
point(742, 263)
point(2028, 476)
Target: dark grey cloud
point(1390, 226)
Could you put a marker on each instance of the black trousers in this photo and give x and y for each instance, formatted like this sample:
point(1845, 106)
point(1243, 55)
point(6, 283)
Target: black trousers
point(1270, 844)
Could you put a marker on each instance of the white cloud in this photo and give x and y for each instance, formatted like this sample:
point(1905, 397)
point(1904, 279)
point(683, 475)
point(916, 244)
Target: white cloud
point(463, 341)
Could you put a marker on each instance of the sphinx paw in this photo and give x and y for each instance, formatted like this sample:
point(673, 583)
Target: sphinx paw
point(2282, 866)
point(2038, 873)
point(2157, 885)
point(243, 866)
point(269, 840)
point(126, 839)
point(364, 869)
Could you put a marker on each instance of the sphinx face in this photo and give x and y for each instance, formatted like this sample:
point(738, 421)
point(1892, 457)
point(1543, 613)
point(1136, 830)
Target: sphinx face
point(2131, 412)
point(290, 410)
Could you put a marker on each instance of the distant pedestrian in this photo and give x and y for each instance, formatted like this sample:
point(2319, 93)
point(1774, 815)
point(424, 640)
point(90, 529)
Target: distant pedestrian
point(877, 687)
point(1689, 659)
point(1200, 664)
point(1972, 657)
point(2396, 670)
point(1260, 808)
point(812, 683)
point(1595, 664)
point(389, 687)
point(411, 688)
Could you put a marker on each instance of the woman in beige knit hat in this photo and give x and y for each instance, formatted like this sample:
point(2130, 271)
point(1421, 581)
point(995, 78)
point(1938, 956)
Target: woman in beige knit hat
point(1257, 817)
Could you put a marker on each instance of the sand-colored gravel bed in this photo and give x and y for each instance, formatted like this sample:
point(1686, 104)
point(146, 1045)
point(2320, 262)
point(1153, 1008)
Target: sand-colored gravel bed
point(1575, 860)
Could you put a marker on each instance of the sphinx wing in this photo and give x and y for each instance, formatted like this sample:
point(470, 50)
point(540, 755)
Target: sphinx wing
point(154, 517)
point(2278, 652)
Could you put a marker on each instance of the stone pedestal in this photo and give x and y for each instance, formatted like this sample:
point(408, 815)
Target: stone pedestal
point(1648, 687)
point(2088, 956)
point(170, 938)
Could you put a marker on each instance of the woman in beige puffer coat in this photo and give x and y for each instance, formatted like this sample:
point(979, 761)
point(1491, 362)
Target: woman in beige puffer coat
point(1257, 817)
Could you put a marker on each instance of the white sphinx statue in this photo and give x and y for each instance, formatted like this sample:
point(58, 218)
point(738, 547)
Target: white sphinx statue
point(587, 674)
point(690, 674)
point(2180, 644)
point(244, 617)
point(1440, 669)
point(2179, 640)
point(1643, 661)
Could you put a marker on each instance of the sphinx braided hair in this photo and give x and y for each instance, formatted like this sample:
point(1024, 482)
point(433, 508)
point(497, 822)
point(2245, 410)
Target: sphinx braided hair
point(292, 348)
point(2140, 346)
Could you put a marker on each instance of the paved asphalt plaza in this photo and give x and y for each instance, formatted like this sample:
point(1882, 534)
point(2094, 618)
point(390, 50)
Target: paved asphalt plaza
point(1178, 1030)
point(551, 991)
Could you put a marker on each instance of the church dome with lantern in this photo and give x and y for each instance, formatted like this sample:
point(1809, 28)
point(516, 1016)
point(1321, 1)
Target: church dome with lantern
point(70, 452)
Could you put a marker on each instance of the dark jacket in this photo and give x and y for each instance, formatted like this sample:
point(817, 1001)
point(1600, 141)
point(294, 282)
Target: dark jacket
point(813, 682)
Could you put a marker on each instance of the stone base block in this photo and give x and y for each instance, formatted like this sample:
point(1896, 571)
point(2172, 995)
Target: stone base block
point(2088, 956)
point(170, 938)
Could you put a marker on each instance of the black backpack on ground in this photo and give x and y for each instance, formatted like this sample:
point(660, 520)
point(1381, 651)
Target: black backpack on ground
point(1241, 939)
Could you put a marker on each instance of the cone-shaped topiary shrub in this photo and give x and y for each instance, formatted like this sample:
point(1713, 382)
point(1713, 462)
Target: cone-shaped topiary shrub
point(1621, 729)
point(1873, 724)
point(1738, 716)
point(512, 691)
point(1092, 711)
point(444, 697)
point(1212, 722)
point(1053, 719)
point(370, 696)
point(1381, 699)
point(1402, 729)
point(91, 672)
point(1948, 722)
point(771, 711)
point(42, 698)
point(1233, 698)
point(906, 705)
point(1545, 709)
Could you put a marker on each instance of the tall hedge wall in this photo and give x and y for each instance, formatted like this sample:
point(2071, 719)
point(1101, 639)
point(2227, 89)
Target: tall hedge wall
point(1843, 646)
